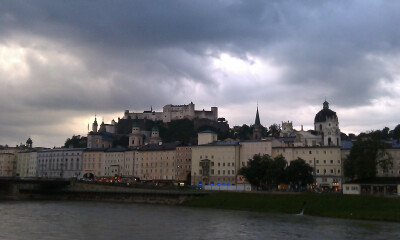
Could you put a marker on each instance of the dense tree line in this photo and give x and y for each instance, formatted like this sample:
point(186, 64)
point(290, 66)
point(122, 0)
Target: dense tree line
point(245, 132)
point(76, 141)
point(366, 156)
point(267, 173)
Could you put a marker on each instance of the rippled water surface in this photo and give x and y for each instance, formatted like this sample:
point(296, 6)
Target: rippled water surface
point(101, 220)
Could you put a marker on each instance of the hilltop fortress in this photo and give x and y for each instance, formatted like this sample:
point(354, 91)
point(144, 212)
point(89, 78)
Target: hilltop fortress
point(174, 112)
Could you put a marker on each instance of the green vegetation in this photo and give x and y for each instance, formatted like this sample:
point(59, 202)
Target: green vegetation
point(266, 172)
point(364, 158)
point(178, 130)
point(245, 132)
point(76, 141)
point(324, 205)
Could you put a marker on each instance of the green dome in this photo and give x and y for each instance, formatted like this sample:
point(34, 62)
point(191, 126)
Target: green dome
point(135, 124)
point(155, 129)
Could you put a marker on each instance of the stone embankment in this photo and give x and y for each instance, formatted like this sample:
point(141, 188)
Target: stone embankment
point(96, 192)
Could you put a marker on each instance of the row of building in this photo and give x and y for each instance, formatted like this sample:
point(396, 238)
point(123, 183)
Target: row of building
point(209, 162)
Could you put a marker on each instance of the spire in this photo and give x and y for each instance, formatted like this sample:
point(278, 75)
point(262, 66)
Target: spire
point(257, 117)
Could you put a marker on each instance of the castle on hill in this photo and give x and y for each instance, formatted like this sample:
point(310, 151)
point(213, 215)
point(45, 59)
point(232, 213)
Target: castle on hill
point(174, 112)
point(136, 125)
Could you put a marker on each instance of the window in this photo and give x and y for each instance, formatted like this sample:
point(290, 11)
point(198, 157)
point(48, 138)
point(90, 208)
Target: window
point(310, 152)
point(331, 161)
point(324, 161)
point(331, 170)
point(212, 171)
point(212, 163)
point(317, 170)
point(223, 172)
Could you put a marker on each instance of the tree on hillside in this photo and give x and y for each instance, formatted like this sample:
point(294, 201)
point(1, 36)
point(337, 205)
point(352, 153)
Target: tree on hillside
point(76, 142)
point(274, 130)
point(299, 173)
point(243, 132)
point(178, 130)
point(364, 159)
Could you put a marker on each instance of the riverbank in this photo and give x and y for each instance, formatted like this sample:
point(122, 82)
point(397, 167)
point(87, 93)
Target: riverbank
point(324, 205)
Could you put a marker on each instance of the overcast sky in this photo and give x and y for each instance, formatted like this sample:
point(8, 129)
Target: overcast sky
point(62, 62)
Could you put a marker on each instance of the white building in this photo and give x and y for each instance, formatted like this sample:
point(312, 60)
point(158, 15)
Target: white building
point(174, 112)
point(114, 162)
point(326, 124)
point(60, 163)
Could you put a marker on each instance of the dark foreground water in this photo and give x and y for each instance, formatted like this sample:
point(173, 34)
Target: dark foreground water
point(100, 220)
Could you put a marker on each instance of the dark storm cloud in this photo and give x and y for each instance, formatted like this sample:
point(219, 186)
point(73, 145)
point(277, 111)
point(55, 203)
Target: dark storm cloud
point(106, 56)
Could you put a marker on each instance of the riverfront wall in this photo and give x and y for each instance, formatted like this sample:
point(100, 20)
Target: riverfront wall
point(95, 192)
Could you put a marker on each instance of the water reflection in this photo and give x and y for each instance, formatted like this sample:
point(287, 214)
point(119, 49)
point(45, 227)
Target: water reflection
point(99, 220)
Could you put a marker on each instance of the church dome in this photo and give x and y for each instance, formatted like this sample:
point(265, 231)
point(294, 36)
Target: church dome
point(135, 124)
point(325, 113)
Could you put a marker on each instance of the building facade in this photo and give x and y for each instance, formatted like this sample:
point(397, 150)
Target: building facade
point(214, 162)
point(156, 162)
point(326, 161)
point(114, 159)
point(23, 162)
point(93, 162)
point(33, 164)
point(60, 163)
point(183, 162)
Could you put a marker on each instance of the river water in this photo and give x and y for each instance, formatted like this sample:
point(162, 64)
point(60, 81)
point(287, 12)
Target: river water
point(102, 220)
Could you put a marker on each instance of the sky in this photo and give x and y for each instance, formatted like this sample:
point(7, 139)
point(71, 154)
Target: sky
point(62, 62)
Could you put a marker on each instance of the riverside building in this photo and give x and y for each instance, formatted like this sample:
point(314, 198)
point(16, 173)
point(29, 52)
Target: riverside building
point(60, 163)
point(325, 160)
point(156, 162)
point(214, 162)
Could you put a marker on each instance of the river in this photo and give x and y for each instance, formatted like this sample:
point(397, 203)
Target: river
point(102, 220)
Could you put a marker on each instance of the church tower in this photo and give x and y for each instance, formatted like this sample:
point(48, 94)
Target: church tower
point(94, 125)
point(257, 127)
point(155, 135)
point(135, 138)
point(326, 124)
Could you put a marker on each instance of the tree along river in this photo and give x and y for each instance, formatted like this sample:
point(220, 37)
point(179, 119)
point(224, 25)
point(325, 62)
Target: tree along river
point(102, 220)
